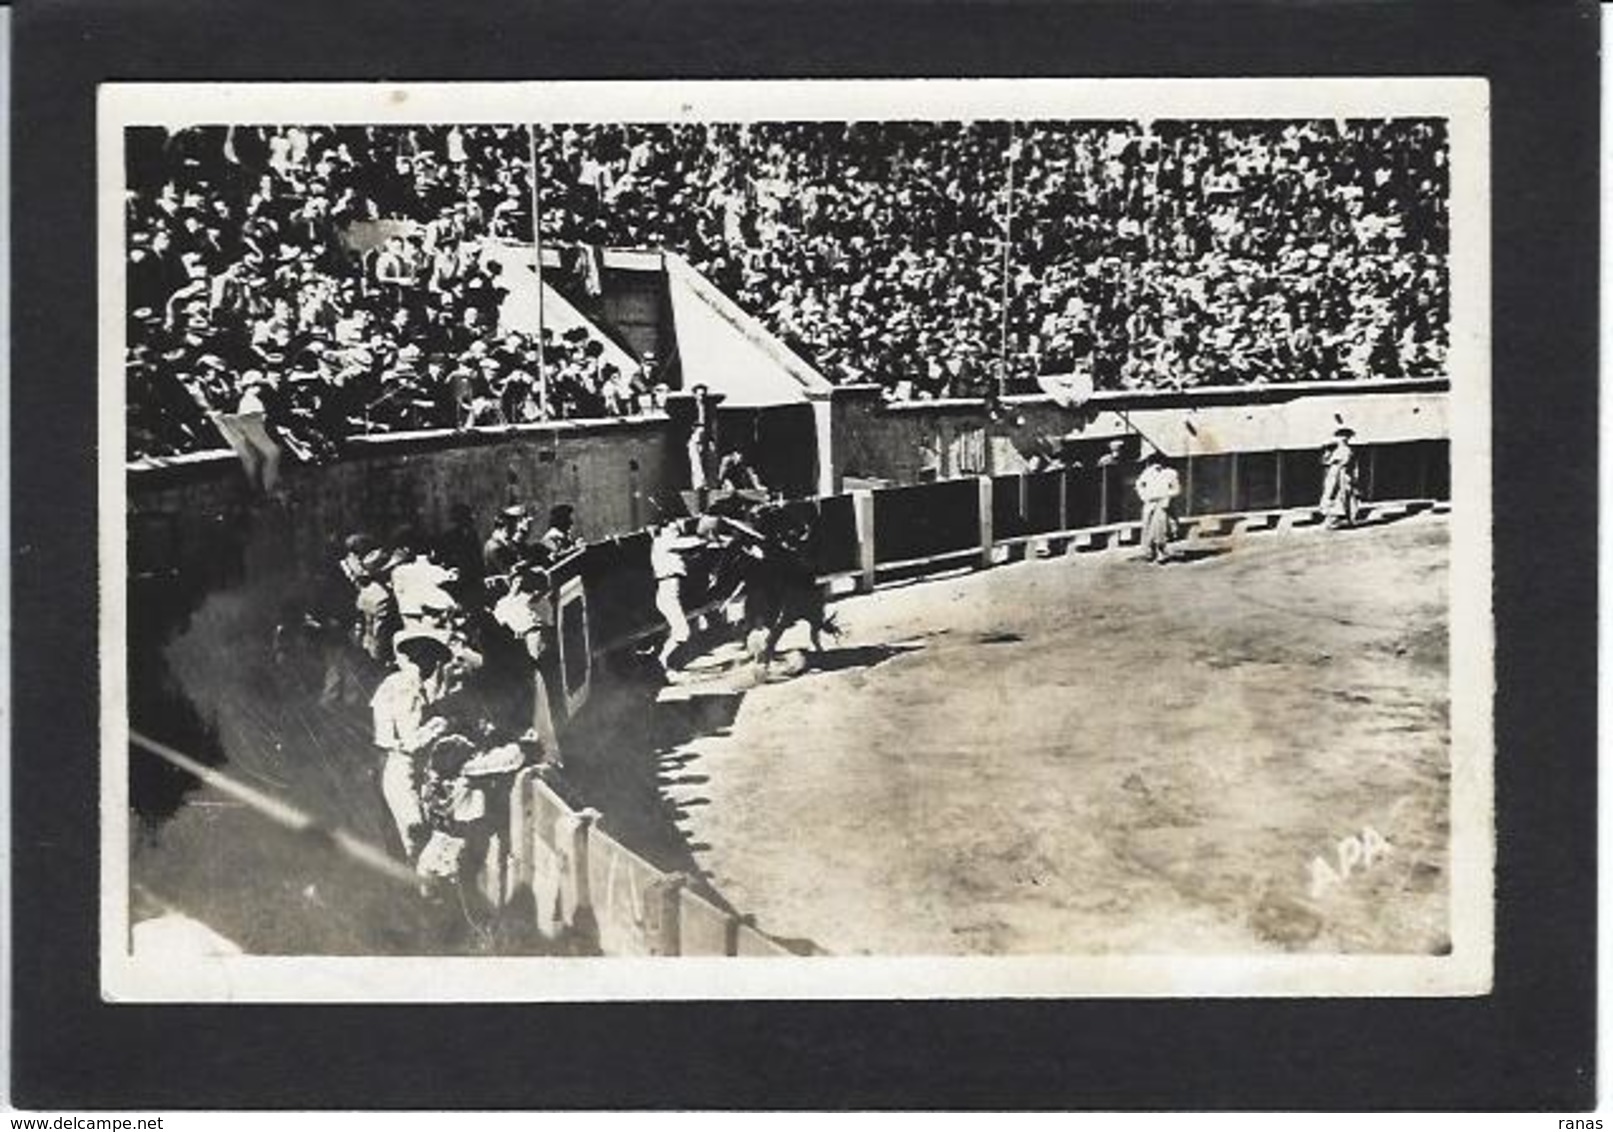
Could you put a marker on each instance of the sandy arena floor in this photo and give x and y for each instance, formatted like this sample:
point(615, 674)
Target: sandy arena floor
point(1088, 754)
point(1077, 755)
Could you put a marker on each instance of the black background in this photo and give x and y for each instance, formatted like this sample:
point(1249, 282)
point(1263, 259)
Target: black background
point(1529, 1045)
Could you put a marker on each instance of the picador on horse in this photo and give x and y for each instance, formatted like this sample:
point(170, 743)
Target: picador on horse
point(762, 554)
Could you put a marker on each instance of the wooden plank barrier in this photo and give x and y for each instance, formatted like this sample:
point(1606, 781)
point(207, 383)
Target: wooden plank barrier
point(704, 928)
point(752, 943)
point(549, 855)
point(635, 905)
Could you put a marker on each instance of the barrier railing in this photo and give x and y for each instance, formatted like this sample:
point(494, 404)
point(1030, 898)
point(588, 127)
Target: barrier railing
point(591, 893)
point(589, 887)
point(866, 533)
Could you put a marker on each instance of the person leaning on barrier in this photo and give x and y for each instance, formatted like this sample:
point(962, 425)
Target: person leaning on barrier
point(559, 539)
point(525, 614)
point(1158, 486)
point(504, 547)
point(1339, 499)
point(419, 585)
point(735, 473)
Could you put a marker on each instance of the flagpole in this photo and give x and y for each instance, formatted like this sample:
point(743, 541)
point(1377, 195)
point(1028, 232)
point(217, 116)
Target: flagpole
point(1008, 236)
point(537, 257)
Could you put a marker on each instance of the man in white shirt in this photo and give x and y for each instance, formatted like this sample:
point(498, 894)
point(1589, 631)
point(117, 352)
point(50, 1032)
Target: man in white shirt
point(405, 727)
point(418, 585)
point(1157, 486)
point(523, 612)
point(667, 549)
point(526, 615)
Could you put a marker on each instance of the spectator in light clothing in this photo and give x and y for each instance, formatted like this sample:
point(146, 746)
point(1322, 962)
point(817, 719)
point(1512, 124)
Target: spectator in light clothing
point(1338, 481)
point(524, 613)
point(667, 549)
point(419, 584)
point(248, 430)
point(1157, 487)
point(405, 727)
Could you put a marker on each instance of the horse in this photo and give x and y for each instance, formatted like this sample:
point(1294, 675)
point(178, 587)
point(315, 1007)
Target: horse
point(767, 557)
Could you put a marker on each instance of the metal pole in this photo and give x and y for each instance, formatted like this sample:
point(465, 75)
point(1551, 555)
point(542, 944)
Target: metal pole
point(537, 258)
point(282, 814)
point(1008, 235)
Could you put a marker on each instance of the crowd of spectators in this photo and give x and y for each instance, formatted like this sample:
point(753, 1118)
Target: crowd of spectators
point(1161, 254)
point(448, 638)
point(341, 276)
point(343, 271)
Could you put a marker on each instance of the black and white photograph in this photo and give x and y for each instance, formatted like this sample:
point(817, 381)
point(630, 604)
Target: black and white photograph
point(795, 539)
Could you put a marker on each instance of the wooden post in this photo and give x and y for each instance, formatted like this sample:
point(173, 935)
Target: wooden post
point(862, 507)
point(984, 483)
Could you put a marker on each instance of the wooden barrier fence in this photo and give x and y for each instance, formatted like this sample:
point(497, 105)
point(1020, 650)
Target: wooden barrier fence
point(589, 888)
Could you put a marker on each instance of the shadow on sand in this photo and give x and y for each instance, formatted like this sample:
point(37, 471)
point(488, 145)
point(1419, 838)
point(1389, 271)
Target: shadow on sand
point(1186, 554)
point(853, 656)
point(627, 754)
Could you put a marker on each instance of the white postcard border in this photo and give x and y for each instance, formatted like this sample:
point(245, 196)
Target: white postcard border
point(1467, 970)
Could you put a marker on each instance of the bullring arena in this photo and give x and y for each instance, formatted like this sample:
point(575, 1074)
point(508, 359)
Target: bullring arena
point(1022, 738)
point(1088, 755)
point(1071, 754)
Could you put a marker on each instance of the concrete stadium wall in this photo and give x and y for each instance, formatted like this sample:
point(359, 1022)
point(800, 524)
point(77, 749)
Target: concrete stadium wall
point(918, 441)
point(190, 514)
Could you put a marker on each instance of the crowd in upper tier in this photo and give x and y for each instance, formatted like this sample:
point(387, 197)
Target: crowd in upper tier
point(344, 274)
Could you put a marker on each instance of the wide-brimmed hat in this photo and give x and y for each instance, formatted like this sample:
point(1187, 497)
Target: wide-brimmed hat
point(1344, 431)
point(416, 636)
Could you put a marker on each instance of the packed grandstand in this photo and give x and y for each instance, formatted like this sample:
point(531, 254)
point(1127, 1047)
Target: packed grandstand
point(338, 277)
